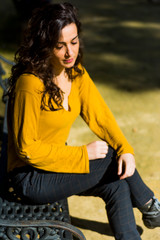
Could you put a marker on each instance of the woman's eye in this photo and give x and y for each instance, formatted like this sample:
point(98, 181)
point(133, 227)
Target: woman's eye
point(73, 43)
point(59, 46)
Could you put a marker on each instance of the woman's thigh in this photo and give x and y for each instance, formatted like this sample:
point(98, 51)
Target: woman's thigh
point(41, 187)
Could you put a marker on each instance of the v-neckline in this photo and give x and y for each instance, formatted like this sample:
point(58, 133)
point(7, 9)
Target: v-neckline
point(68, 102)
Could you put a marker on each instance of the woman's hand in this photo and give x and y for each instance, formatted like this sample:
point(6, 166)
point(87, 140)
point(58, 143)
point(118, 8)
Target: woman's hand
point(97, 149)
point(126, 165)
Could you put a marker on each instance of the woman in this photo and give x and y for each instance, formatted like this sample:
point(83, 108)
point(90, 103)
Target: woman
point(49, 88)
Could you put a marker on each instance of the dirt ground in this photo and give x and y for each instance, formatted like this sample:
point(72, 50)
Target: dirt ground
point(88, 214)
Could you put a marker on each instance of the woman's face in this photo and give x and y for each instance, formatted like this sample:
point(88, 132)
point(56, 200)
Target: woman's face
point(67, 48)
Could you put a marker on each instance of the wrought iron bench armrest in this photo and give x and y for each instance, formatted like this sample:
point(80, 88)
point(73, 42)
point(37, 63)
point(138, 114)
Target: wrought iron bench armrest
point(43, 223)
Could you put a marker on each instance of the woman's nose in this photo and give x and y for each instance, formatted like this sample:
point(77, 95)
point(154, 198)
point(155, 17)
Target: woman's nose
point(68, 51)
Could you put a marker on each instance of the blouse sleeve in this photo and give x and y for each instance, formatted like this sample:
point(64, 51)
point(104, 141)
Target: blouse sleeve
point(99, 118)
point(30, 149)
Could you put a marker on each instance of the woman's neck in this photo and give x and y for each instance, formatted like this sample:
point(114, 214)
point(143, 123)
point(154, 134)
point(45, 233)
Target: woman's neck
point(62, 81)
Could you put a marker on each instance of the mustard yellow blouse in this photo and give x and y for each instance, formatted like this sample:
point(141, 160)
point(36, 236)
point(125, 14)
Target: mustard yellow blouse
point(37, 137)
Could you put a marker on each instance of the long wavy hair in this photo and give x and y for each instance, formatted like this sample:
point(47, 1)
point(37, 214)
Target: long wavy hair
point(36, 51)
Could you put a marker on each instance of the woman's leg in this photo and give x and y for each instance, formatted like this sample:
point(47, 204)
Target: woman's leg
point(143, 198)
point(41, 187)
point(141, 193)
point(119, 208)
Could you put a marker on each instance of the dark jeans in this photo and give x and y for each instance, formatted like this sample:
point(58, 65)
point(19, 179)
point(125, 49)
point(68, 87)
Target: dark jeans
point(40, 187)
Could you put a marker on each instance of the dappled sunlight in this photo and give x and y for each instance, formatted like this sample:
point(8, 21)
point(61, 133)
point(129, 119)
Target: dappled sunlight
point(117, 59)
point(90, 37)
point(97, 19)
point(107, 22)
point(140, 25)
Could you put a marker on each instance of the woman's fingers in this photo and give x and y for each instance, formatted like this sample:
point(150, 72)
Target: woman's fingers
point(97, 149)
point(126, 165)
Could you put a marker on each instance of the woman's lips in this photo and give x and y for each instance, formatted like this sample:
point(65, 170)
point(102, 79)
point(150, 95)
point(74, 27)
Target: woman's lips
point(68, 60)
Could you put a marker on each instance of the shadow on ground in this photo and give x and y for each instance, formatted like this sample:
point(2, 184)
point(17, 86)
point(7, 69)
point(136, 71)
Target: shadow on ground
point(99, 227)
point(122, 41)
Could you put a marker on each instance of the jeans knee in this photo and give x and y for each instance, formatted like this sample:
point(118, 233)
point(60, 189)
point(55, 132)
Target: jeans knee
point(122, 190)
point(123, 186)
point(115, 191)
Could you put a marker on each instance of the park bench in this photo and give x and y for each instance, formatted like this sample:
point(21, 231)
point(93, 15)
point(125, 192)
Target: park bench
point(23, 220)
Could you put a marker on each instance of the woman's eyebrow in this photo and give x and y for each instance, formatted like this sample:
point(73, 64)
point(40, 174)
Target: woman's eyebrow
point(71, 40)
point(74, 38)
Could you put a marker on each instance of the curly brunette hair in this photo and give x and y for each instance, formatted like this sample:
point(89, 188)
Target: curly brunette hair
point(36, 51)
